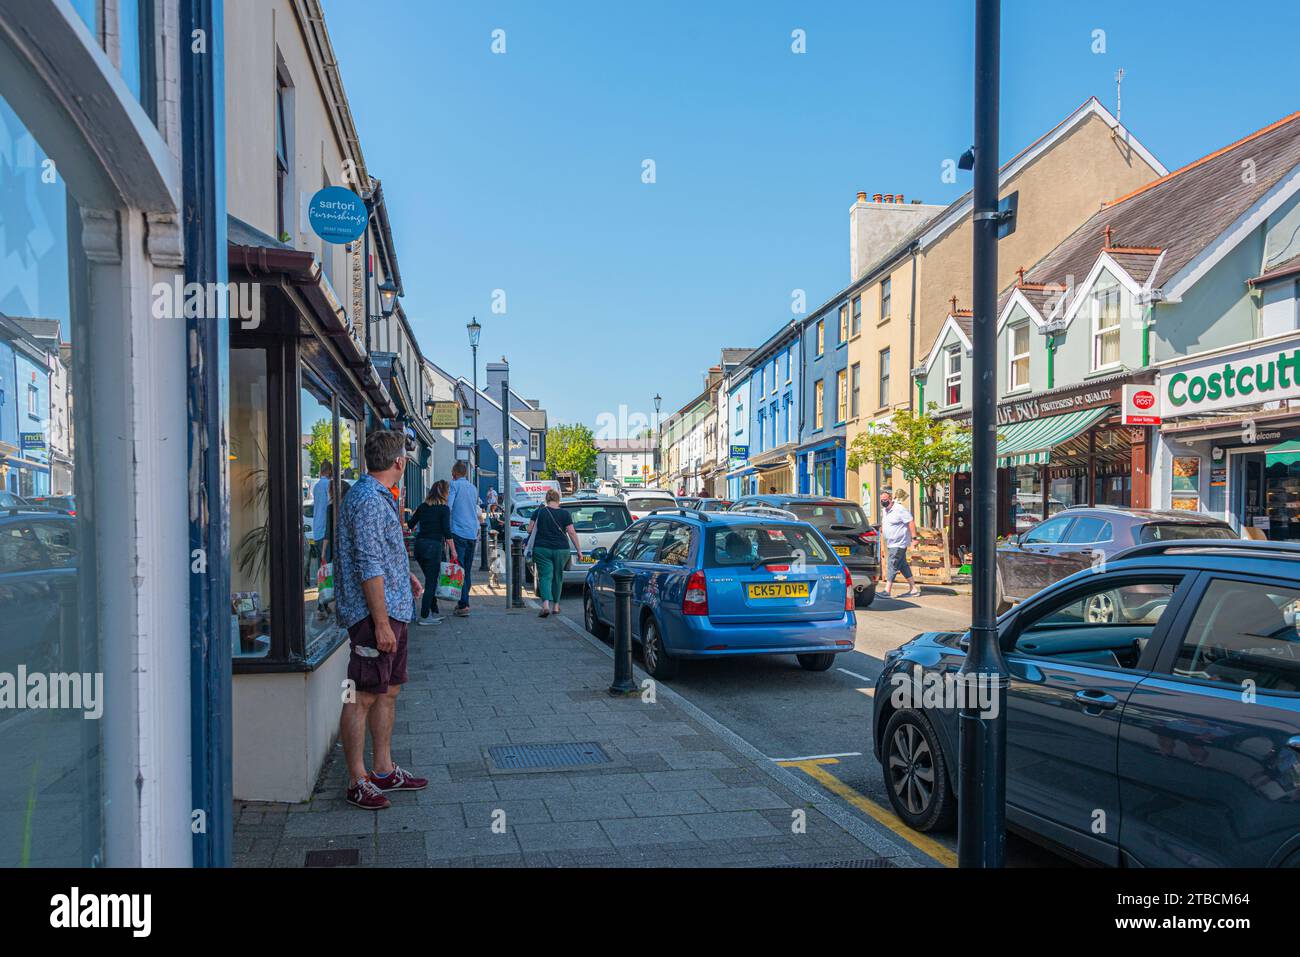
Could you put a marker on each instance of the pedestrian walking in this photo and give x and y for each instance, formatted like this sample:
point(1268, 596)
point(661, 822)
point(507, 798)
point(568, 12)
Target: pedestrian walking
point(551, 531)
point(898, 528)
point(376, 595)
point(431, 523)
point(462, 499)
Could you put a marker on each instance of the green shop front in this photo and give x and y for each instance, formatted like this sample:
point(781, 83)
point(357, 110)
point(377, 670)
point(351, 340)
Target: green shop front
point(1229, 442)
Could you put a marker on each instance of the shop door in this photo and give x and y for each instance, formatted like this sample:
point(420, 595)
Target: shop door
point(1250, 509)
point(959, 513)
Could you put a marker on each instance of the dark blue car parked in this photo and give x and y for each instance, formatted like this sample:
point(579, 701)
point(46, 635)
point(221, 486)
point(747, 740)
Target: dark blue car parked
point(720, 584)
point(1169, 739)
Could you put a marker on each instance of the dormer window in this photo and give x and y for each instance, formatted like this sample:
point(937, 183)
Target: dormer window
point(1106, 308)
point(1018, 357)
point(952, 376)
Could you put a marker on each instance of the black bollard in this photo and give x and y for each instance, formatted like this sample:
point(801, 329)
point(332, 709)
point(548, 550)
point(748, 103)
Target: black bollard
point(623, 683)
point(516, 572)
point(483, 550)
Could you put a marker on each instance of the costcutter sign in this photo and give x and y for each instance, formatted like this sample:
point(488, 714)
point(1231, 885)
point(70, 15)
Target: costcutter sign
point(1139, 405)
point(1253, 377)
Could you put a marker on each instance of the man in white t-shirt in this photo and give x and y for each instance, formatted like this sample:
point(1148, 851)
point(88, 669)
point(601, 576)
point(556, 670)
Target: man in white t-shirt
point(320, 505)
point(897, 528)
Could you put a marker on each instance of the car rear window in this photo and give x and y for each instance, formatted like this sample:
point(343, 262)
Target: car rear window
point(1166, 531)
point(745, 544)
point(599, 518)
point(648, 504)
point(825, 514)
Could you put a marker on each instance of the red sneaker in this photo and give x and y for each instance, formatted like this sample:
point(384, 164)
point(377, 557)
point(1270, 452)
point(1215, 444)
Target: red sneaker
point(365, 795)
point(399, 779)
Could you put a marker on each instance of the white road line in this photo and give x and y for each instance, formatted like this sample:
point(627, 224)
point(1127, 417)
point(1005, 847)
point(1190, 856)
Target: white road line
point(814, 757)
point(856, 675)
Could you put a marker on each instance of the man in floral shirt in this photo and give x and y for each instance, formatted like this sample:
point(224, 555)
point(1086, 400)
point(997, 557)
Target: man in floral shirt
point(376, 601)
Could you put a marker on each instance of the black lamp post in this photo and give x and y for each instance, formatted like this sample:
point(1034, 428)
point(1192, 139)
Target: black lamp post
point(475, 330)
point(659, 432)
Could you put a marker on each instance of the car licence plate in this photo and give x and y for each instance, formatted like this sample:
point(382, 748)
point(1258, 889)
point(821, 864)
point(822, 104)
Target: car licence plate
point(586, 560)
point(841, 549)
point(779, 590)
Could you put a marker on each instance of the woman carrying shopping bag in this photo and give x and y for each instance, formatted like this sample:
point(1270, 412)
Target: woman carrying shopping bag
point(431, 523)
point(550, 532)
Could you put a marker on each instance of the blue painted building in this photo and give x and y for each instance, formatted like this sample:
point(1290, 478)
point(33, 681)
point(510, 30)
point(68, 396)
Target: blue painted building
point(827, 395)
point(769, 412)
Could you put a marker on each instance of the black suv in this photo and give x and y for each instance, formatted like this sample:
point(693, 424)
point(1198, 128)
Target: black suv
point(1169, 738)
point(844, 526)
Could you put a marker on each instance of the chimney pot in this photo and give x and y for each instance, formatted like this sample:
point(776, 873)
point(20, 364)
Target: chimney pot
point(876, 198)
point(862, 196)
point(889, 197)
point(899, 198)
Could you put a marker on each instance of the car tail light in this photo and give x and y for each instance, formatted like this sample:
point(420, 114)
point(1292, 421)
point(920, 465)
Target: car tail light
point(696, 599)
point(867, 537)
point(778, 568)
point(848, 590)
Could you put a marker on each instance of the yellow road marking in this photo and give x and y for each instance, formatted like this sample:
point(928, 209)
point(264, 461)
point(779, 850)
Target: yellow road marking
point(830, 782)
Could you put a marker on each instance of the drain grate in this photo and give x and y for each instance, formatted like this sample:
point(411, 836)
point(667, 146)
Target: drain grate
point(563, 754)
point(870, 862)
point(334, 857)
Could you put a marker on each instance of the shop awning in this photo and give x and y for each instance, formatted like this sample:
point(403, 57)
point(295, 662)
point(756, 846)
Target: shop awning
point(1285, 453)
point(1030, 443)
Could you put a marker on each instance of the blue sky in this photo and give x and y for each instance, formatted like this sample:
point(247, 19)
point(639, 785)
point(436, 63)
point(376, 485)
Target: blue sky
point(522, 171)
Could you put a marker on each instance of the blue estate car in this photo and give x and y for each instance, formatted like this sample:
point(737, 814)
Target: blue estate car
point(712, 584)
point(1169, 738)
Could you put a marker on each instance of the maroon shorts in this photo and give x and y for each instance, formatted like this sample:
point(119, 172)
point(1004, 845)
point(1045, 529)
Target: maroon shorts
point(375, 674)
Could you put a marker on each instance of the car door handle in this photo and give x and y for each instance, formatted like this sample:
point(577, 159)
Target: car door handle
point(1294, 742)
point(1095, 699)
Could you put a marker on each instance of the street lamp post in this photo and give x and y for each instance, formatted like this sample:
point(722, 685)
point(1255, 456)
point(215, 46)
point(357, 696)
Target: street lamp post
point(659, 430)
point(475, 329)
point(981, 835)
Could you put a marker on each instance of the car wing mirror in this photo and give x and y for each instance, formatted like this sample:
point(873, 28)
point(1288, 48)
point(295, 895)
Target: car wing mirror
point(600, 554)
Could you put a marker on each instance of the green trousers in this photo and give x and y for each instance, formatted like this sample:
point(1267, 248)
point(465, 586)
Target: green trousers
point(550, 572)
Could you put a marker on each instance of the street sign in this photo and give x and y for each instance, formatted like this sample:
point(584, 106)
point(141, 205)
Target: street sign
point(1007, 208)
point(1139, 406)
point(337, 215)
point(465, 437)
point(445, 415)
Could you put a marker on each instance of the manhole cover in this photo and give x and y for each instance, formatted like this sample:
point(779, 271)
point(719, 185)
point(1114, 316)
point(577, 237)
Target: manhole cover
point(564, 754)
point(334, 857)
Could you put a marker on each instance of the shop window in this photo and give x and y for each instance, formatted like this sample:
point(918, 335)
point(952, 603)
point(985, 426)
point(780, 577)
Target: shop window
point(1018, 357)
point(137, 51)
point(250, 505)
point(318, 525)
point(952, 376)
point(1105, 328)
point(50, 792)
point(1026, 497)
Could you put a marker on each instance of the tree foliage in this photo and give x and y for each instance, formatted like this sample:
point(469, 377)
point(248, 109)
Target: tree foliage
point(571, 448)
point(926, 449)
point(320, 447)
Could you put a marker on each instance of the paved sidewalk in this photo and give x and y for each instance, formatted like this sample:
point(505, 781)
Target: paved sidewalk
point(676, 790)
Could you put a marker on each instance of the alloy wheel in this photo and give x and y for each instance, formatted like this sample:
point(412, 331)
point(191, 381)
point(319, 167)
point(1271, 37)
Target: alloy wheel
point(911, 768)
point(1100, 609)
point(649, 642)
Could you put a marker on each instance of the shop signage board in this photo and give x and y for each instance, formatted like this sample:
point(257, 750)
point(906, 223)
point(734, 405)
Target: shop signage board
point(1041, 406)
point(337, 215)
point(1251, 377)
point(32, 441)
point(1138, 406)
point(445, 415)
point(465, 437)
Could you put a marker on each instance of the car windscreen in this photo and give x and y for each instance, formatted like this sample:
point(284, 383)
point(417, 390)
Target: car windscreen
point(595, 519)
point(825, 514)
point(1176, 531)
point(649, 504)
point(746, 544)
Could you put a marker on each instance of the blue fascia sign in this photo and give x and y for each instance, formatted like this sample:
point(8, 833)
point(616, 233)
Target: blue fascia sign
point(740, 452)
point(32, 441)
point(337, 215)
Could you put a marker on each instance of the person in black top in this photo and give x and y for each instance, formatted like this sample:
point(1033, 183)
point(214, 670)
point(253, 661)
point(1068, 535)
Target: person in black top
point(431, 523)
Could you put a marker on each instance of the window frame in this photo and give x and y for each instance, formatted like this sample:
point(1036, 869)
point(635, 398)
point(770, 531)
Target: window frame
point(841, 396)
point(844, 322)
point(283, 160)
point(819, 404)
point(949, 376)
point(855, 316)
point(1101, 300)
point(886, 298)
point(1013, 385)
point(885, 367)
point(855, 390)
point(821, 338)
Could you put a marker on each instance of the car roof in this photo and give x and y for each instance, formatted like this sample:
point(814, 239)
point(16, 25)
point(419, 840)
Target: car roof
point(1145, 514)
point(13, 514)
point(592, 500)
point(1233, 556)
point(653, 492)
point(778, 497)
point(724, 519)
